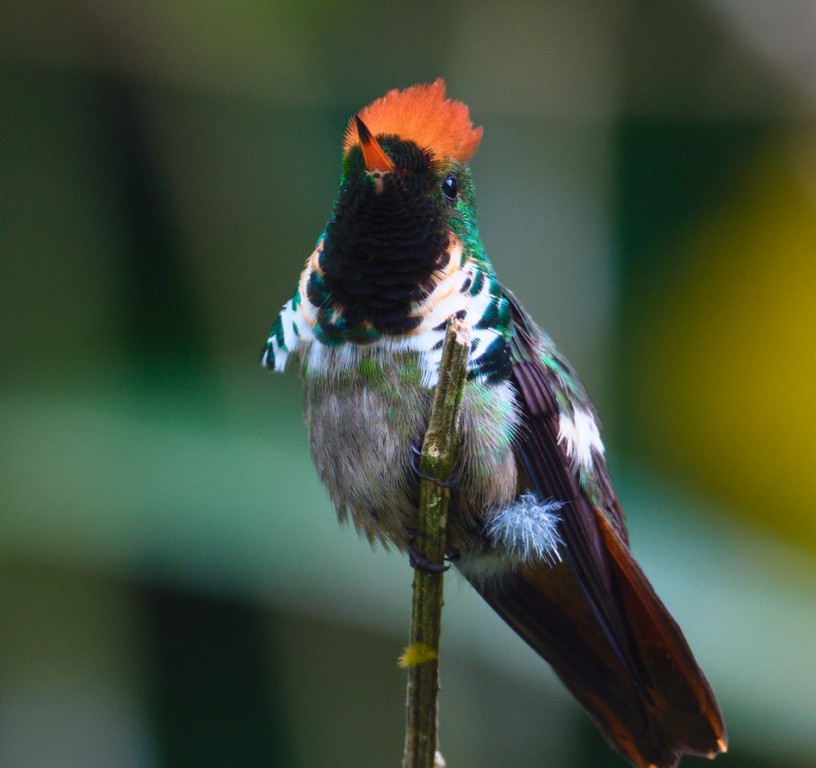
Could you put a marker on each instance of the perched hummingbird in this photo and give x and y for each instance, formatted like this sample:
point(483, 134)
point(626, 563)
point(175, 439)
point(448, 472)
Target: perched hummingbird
point(534, 523)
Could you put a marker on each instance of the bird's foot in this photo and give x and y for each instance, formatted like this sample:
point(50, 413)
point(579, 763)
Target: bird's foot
point(419, 562)
point(452, 555)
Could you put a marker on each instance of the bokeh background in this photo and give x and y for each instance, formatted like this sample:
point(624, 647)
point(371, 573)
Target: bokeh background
point(174, 590)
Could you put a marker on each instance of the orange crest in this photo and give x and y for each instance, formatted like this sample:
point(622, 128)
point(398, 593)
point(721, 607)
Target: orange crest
point(423, 115)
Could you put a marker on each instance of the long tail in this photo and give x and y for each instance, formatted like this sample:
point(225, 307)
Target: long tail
point(649, 698)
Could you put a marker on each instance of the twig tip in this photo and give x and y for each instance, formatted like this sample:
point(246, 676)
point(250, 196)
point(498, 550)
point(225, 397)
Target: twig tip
point(461, 330)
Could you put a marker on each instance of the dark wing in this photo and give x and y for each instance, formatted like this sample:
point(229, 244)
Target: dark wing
point(595, 618)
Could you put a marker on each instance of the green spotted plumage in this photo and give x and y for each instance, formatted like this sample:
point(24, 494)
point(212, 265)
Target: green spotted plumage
point(534, 524)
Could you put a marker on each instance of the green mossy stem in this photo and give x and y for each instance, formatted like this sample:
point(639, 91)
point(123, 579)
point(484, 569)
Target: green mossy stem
point(436, 462)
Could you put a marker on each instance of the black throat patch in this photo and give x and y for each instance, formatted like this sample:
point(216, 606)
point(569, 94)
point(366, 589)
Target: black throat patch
point(380, 249)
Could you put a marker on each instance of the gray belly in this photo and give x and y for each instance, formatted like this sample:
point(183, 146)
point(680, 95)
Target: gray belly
point(361, 436)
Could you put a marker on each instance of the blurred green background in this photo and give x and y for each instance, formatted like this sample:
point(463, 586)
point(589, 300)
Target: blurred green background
point(174, 589)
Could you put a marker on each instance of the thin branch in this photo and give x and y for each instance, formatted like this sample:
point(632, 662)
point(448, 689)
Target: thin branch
point(421, 657)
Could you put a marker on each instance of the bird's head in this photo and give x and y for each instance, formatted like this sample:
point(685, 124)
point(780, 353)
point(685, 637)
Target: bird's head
point(416, 135)
point(405, 204)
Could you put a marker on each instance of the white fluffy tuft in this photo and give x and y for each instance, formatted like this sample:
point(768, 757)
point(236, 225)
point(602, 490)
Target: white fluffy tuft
point(528, 528)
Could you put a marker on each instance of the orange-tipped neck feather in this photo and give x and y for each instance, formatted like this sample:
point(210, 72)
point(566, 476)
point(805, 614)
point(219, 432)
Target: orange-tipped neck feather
point(423, 115)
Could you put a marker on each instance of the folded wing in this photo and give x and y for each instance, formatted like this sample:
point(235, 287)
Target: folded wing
point(595, 618)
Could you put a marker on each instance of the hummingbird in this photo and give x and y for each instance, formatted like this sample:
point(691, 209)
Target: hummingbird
point(534, 523)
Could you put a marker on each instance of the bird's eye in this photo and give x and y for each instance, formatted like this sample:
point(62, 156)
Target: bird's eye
point(449, 187)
